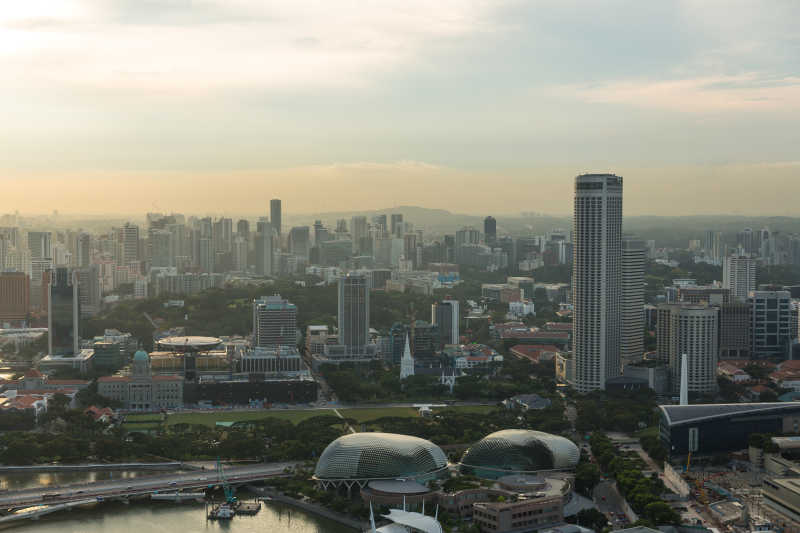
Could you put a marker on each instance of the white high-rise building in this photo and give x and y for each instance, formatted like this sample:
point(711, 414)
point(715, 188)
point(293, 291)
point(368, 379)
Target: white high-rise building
point(596, 279)
point(633, 258)
point(739, 276)
point(691, 330)
point(240, 253)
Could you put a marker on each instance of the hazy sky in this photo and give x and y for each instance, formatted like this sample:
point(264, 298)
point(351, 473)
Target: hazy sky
point(218, 105)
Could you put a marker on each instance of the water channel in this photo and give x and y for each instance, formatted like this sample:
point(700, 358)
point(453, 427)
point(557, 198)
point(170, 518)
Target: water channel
point(156, 517)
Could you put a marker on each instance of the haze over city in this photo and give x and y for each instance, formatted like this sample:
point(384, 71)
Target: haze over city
point(114, 107)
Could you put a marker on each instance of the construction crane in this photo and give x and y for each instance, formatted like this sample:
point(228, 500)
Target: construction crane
point(230, 496)
point(149, 319)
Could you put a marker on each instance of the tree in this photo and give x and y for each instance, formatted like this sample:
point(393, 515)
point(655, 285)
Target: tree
point(592, 518)
point(587, 475)
point(660, 513)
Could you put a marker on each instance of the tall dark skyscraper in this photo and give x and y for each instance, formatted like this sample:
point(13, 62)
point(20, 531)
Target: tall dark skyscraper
point(490, 231)
point(596, 279)
point(63, 314)
point(353, 312)
point(275, 214)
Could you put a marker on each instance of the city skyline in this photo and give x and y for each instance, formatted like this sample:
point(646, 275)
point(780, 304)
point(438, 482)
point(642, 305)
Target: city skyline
point(694, 103)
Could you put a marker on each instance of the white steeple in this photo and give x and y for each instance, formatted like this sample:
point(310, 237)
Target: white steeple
point(407, 363)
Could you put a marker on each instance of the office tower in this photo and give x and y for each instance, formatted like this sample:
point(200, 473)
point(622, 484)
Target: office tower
point(275, 215)
point(63, 314)
point(739, 276)
point(359, 234)
point(160, 248)
point(691, 330)
point(300, 241)
point(274, 322)
point(596, 274)
point(264, 249)
point(15, 296)
point(633, 259)
point(410, 249)
point(353, 313)
point(39, 269)
point(380, 223)
point(240, 253)
point(83, 249)
point(89, 290)
point(771, 323)
point(445, 316)
point(243, 229)
point(40, 244)
point(734, 330)
point(397, 225)
point(490, 231)
point(129, 241)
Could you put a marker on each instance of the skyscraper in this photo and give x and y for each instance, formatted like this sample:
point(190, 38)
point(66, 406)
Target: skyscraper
point(274, 322)
point(771, 323)
point(490, 231)
point(14, 296)
point(83, 249)
point(692, 330)
point(63, 314)
point(359, 234)
point(596, 276)
point(129, 242)
point(397, 225)
point(275, 215)
point(300, 241)
point(264, 248)
point(353, 313)
point(445, 316)
point(40, 244)
point(739, 276)
point(243, 229)
point(633, 258)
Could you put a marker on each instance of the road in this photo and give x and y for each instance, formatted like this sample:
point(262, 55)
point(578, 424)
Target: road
point(610, 503)
point(140, 485)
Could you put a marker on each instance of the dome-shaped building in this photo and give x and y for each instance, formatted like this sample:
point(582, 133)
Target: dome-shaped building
point(517, 451)
point(361, 457)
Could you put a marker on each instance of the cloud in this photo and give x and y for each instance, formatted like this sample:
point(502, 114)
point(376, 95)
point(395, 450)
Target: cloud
point(225, 43)
point(748, 92)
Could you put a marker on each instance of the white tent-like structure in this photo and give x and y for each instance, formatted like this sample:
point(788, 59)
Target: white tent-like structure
point(406, 522)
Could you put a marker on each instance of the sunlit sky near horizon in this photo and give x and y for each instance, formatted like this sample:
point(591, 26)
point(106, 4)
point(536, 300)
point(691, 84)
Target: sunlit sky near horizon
point(472, 106)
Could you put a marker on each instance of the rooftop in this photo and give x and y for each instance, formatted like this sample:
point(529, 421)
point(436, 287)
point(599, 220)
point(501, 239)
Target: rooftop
point(679, 414)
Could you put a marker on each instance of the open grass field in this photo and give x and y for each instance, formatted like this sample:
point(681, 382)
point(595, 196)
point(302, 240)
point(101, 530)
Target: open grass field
point(151, 421)
point(210, 419)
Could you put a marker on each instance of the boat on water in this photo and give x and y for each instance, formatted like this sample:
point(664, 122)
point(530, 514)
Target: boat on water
point(222, 512)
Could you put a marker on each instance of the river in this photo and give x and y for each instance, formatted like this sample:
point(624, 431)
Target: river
point(158, 517)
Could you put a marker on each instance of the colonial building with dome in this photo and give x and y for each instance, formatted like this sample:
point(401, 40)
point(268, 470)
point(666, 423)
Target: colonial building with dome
point(141, 390)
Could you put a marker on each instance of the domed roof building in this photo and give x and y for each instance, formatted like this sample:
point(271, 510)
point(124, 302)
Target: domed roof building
point(518, 451)
point(359, 458)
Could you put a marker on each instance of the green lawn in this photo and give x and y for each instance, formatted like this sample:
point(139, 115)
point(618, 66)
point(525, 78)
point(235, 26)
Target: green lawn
point(143, 418)
point(652, 431)
point(210, 419)
point(479, 409)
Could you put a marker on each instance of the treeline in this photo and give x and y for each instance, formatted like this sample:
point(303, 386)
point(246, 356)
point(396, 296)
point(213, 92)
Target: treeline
point(624, 411)
point(643, 493)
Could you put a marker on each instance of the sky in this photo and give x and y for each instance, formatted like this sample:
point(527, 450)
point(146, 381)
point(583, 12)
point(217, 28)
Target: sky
point(216, 106)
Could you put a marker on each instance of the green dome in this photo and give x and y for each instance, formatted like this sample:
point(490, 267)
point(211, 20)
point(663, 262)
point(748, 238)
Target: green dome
point(140, 355)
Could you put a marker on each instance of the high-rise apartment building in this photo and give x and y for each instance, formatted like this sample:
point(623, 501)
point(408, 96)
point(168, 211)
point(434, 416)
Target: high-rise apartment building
point(274, 322)
point(633, 259)
point(445, 316)
point(240, 253)
point(89, 290)
point(596, 278)
point(490, 231)
point(63, 314)
point(275, 215)
point(243, 229)
point(692, 330)
point(739, 276)
point(353, 315)
point(771, 327)
point(161, 248)
point(129, 242)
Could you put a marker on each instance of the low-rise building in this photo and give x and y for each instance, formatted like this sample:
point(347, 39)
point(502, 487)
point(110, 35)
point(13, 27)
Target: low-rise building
point(521, 515)
point(141, 390)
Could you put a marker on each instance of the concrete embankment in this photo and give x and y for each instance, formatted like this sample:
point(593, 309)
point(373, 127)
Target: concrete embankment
point(310, 508)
